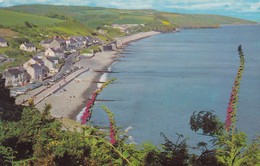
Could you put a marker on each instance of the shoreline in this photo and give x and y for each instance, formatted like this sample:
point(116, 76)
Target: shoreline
point(70, 102)
point(89, 91)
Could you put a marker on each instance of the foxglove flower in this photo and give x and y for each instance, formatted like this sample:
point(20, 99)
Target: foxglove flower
point(233, 101)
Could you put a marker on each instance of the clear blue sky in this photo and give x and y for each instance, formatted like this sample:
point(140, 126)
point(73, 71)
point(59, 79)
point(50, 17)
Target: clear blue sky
point(247, 9)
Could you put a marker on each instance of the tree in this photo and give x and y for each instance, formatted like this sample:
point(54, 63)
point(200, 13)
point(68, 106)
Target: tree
point(9, 111)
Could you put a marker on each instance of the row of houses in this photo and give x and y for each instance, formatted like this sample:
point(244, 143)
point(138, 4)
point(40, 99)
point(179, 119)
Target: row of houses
point(39, 67)
point(71, 44)
point(30, 47)
point(35, 69)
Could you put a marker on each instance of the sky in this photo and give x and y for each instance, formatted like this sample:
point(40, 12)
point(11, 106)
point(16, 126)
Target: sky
point(246, 9)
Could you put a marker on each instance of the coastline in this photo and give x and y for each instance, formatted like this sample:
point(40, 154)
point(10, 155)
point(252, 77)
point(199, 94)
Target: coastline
point(90, 89)
point(70, 102)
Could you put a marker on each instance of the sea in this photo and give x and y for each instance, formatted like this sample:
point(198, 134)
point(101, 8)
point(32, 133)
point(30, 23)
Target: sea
point(163, 79)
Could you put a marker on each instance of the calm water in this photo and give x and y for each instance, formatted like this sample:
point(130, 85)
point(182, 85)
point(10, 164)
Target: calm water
point(165, 78)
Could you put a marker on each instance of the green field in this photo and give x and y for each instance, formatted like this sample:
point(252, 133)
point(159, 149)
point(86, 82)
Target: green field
point(11, 18)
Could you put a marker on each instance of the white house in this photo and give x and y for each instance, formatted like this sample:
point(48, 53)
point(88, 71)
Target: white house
point(15, 76)
point(3, 42)
point(51, 63)
point(57, 43)
point(36, 69)
point(52, 52)
point(30, 47)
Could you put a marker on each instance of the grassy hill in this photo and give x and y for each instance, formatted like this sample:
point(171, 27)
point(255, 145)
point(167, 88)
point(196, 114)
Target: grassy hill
point(12, 18)
point(97, 16)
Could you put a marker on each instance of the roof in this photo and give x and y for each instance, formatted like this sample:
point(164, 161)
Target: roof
point(12, 72)
point(56, 50)
point(79, 38)
point(36, 66)
point(89, 38)
point(2, 40)
point(38, 60)
point(47, 41)
point(73, 41)
point(59, 40)
point(29, 44)
point(52, 59)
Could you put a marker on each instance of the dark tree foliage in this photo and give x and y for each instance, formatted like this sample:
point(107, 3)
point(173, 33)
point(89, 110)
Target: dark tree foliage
point(207, 122)
point(58, 16)
point(9, 111)
point(21, 40)
point(173, 154)
point(29, 25)
point(206, 158)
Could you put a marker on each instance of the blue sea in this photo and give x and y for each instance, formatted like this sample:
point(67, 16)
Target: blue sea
point(163, 79)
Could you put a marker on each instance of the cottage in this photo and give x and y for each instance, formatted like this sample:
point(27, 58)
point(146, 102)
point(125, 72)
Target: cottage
point(56, 43)
point(37, 72)
point(81, 40)
point(30, 47)
point(16, 76)
point(33, 60)
point(50, 63)
point(36, 69)
point(46, 43)
point(52, 52)
point(72, 44)
point(3, 42)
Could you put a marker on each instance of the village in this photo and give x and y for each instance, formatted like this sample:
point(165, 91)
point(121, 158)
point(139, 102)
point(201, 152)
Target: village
point(57, 62)
point(48, 66)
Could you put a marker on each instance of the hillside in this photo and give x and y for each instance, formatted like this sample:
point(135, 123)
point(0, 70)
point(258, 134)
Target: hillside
point(12, 18)
point(96, 16)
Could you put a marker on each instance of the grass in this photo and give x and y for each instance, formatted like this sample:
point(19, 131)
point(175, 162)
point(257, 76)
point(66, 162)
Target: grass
point(86, 51)
point(19, 60)
point(70, 28)
point(4, 32)
point(3, 49)
point(12, 18)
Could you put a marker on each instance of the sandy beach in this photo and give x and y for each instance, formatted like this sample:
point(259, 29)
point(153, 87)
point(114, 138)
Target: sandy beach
point(69, 102)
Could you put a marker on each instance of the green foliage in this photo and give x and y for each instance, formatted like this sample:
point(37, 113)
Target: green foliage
point(9, 111)
point(58, 16)
point(252, 153)
point(94, 49)
point(230, 148)
point(207, 122)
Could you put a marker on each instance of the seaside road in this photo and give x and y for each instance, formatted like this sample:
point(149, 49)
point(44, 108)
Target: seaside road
point(42, 92)
point(58, 86)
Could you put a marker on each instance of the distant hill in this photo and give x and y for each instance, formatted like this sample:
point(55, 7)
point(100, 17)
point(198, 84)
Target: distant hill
point(96, 16)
